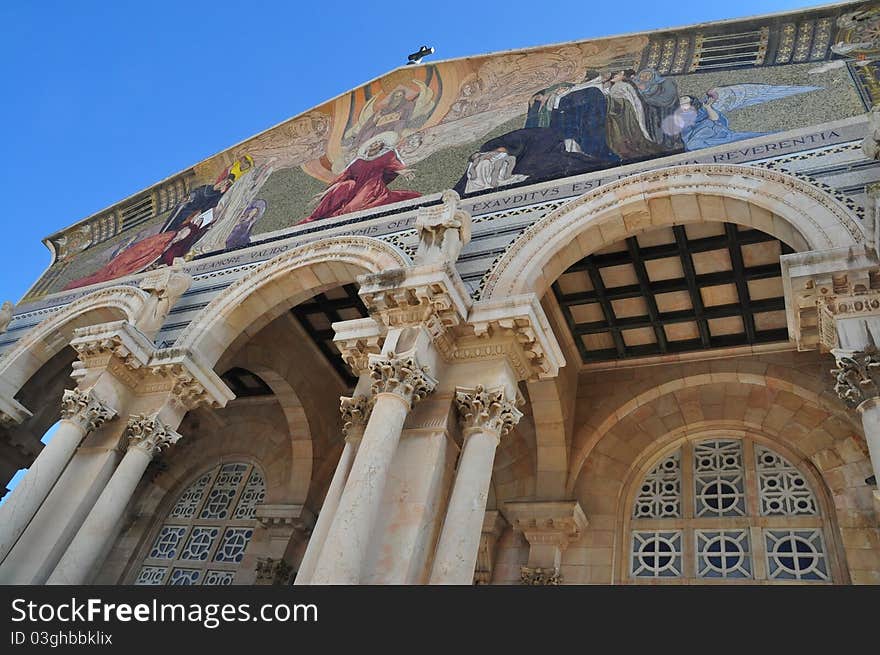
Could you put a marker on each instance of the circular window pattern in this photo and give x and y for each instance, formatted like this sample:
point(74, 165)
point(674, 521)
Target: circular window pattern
point(712, 531)
point(207, 530)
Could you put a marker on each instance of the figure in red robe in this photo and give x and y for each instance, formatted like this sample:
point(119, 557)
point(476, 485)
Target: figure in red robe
point(364, 183)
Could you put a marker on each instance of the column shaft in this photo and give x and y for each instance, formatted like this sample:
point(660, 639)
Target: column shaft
point(459, 543)
point(16, 513)
point(99, 527)
point(346, 544)
point(325, 517)
point(870, 412)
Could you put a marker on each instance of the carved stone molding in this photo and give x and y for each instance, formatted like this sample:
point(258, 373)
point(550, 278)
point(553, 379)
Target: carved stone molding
point(188, 380)
point(484, 410)
point(85, 409)
point(443, 230)
point(149, 434)
point(857, 376)
point(402, 376)
point(285, 519)
point(826, 287)
point(117, 346)
point(12, 412)
point(272, 571)
point(547, 523)
point(537, 576)
point(517, 328)
point(355, 414)
point(431, 295)
point(356, 340)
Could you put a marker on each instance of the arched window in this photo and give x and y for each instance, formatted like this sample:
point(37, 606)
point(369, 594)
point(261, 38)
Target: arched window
point(726, 509)
point(203, 538)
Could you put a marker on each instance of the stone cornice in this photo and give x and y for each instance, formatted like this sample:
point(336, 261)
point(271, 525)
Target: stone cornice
point(191, 382)
point(12, 412)
point(285, 516)
point(356, 340)
point(516, 327)
point(431, 295)
point(98, 345)
point(558, 523)
point(824, 286)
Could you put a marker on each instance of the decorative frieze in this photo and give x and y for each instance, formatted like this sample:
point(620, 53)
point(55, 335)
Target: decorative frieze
point(402, 376)
point(85, 409)
point(355, 412)
point(149, 434)
point(486, 410)
point(856, 376)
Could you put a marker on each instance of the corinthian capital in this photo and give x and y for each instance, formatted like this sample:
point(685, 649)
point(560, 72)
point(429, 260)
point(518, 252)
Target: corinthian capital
point(355, 412)
point(402, 376)
point(486, 410)
point(149, 434)
point(85, 409)
point(857, 375)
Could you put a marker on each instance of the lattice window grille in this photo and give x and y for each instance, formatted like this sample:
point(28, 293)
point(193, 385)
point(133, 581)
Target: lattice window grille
point(723, 554)
point(186, 505)
point(719, 478)
point(656, 554)
point(207, 529)
point(221, 494)
point(660, 493)
point(796, 555)
point(775, 534)
point(253, 494)
point(782, 489)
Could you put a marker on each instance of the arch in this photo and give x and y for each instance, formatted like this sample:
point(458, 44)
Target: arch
point(47, 338)
point(265, 293)
point(781, 205)
point(588, 436)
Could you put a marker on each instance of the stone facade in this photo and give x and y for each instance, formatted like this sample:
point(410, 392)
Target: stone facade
point(454, 434)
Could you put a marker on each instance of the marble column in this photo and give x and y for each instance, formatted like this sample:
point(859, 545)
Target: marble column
point(857, 383)
point(486, 416)
point(147, 436)
point(81, 412)
point(398, 382)
point(355, 412)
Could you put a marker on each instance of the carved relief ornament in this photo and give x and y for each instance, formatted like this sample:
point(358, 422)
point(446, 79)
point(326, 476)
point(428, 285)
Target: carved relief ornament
point(85, 409)
point(402, 376)
point(149, 434)
point(488, 411)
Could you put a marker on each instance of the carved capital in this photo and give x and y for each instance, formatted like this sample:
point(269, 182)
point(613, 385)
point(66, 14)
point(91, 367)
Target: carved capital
point(355, 412)
point(149, 434)
point(85, 409)
point(535, 576)
point(856, 376)
point(273, 571)
point(488, 411)
point(402, 376)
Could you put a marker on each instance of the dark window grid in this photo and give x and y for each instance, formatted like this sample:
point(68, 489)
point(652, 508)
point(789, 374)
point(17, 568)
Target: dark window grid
point(323, 339)
point(739, 276)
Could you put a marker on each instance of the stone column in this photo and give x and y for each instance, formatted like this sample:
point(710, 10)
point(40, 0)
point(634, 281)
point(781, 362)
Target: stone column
point(486, 416)
point(355, 412)
point(857, 382)
point(398, 382)
point(147, 436)
point(81, 412)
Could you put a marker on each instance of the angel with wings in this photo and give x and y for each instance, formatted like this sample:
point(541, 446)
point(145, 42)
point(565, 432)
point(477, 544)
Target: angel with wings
point(703, 123)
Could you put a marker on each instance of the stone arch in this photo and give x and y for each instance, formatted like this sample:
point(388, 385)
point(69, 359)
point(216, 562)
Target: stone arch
point(300, 473)
point(781, 205)
point(280, 283)
point(588, 436)
point(47, 338)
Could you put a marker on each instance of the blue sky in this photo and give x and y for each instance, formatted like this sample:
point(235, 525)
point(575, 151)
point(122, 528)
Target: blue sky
point(103, 99)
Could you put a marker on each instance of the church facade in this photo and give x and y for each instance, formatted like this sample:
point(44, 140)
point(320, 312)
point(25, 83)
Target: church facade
point(604, 312)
